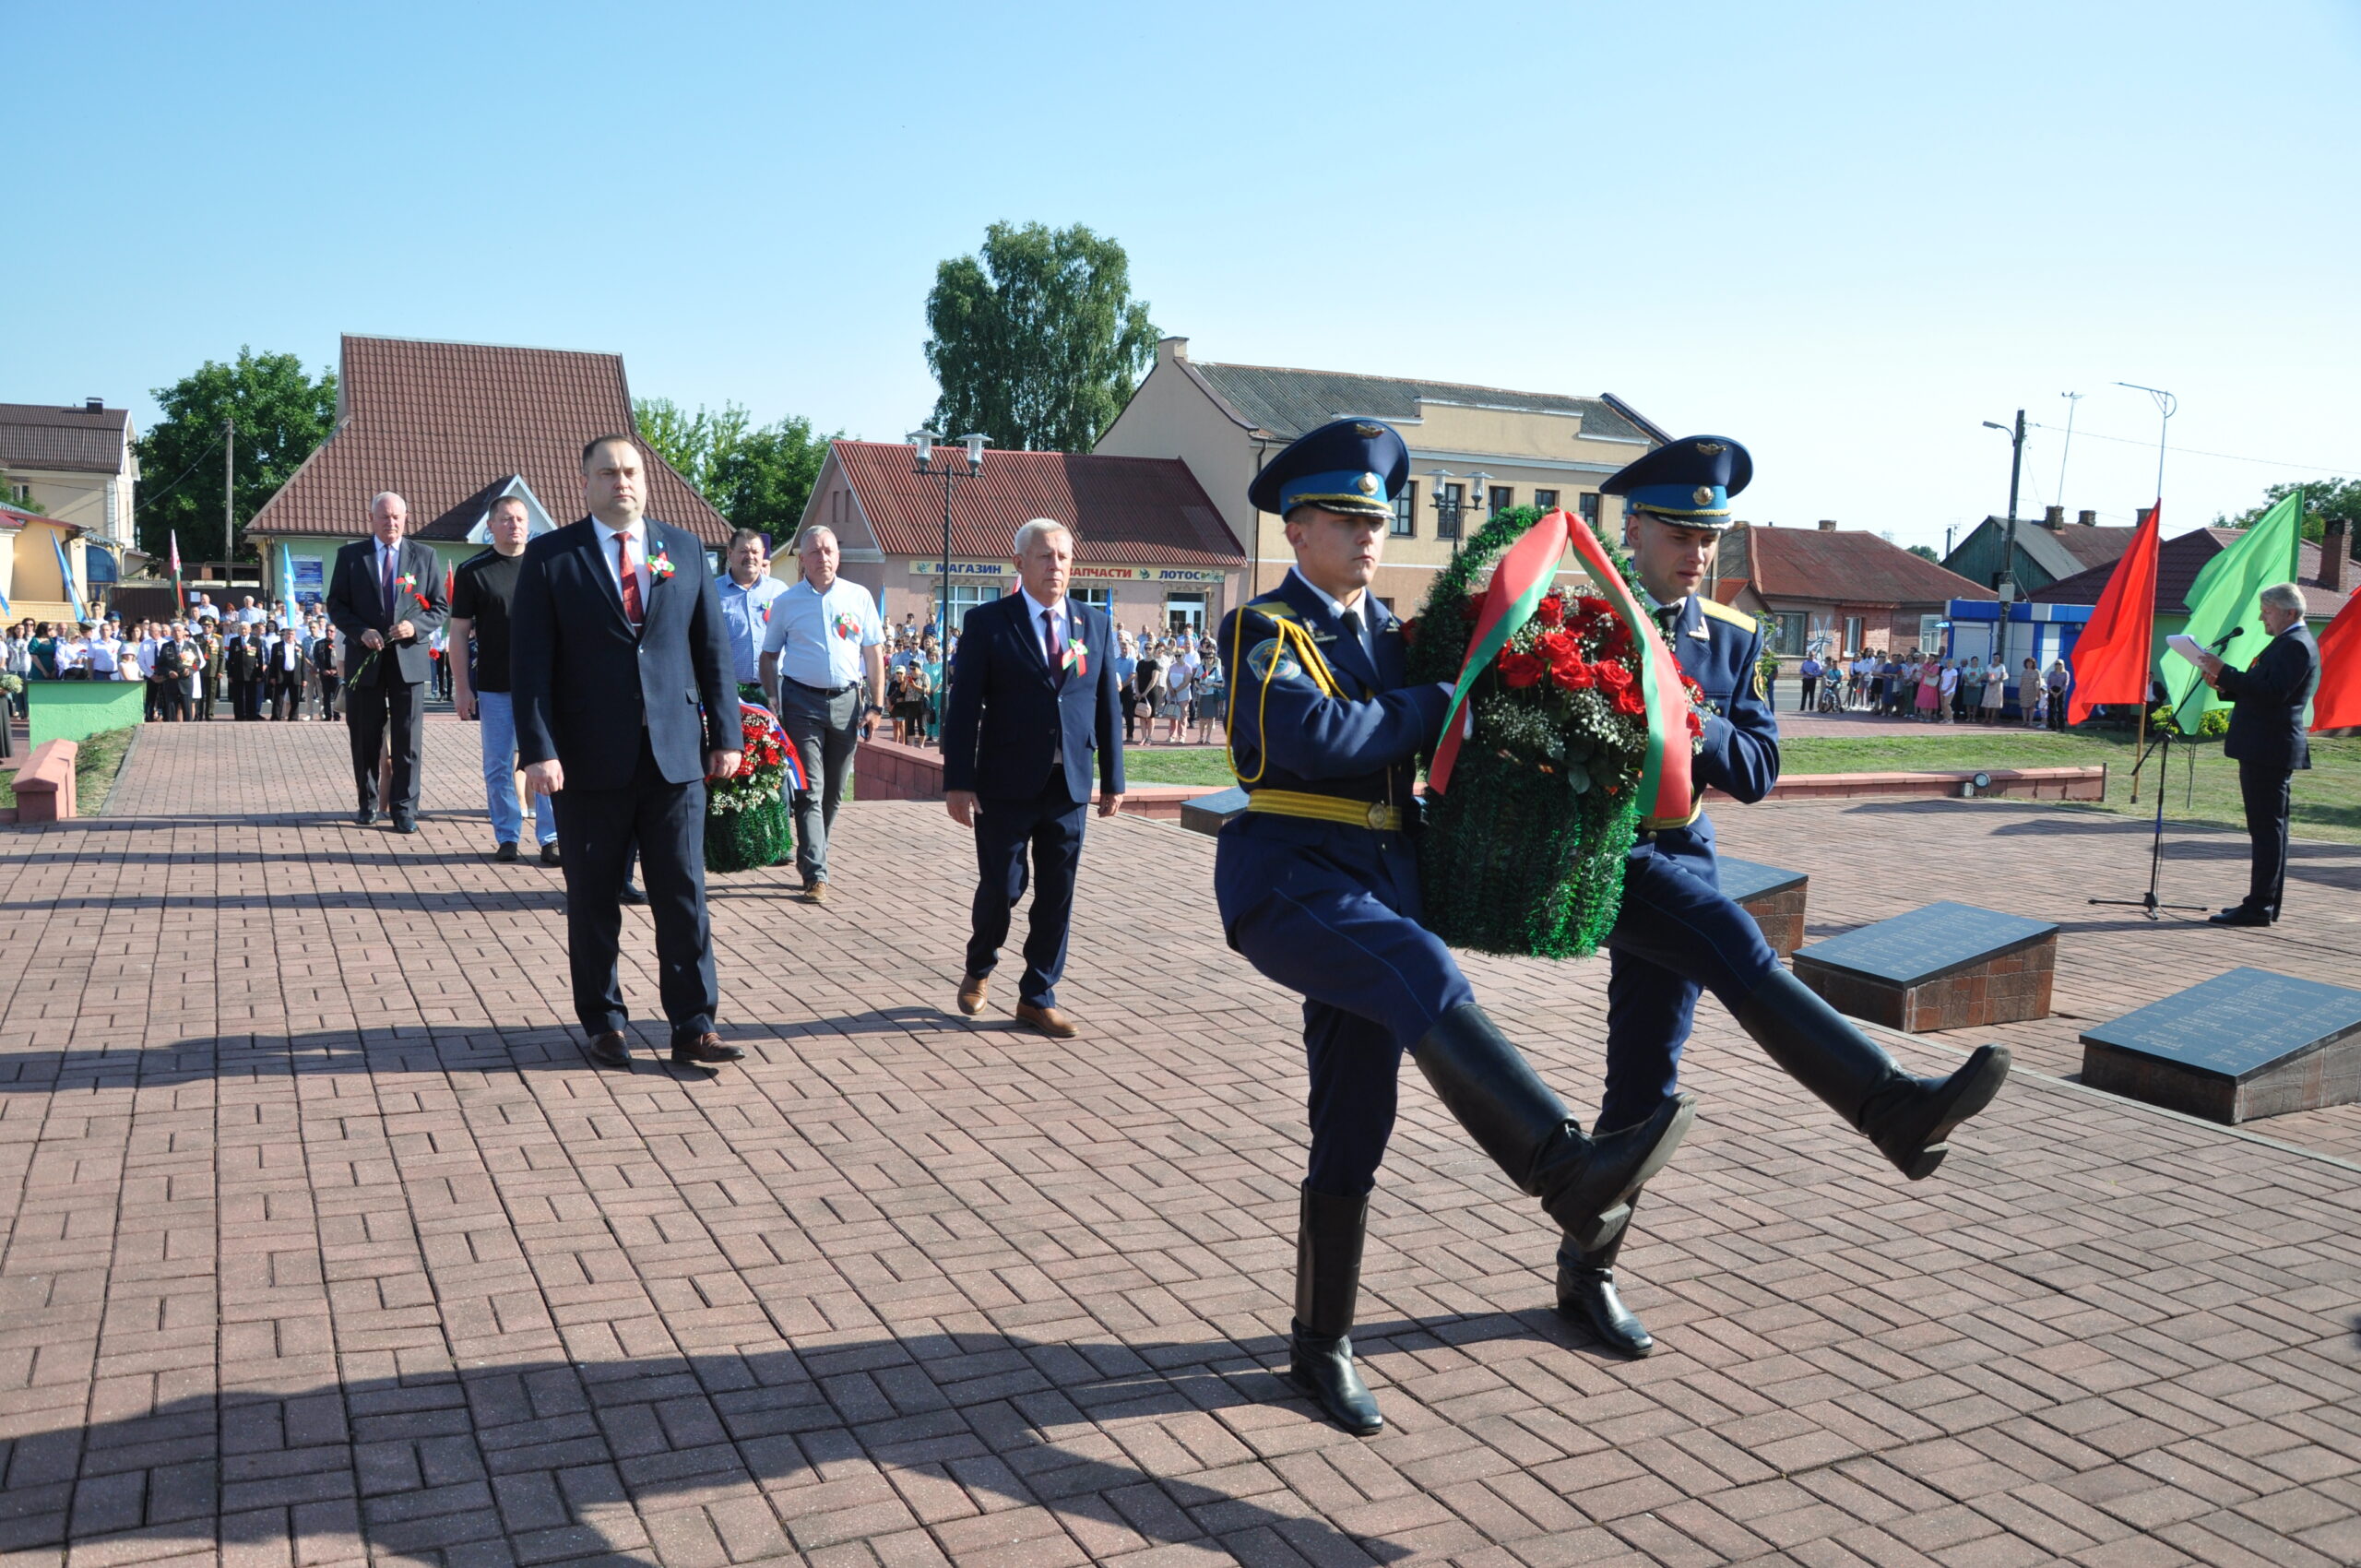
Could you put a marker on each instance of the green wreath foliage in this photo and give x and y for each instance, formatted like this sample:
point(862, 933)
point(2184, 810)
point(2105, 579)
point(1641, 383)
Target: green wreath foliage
point(750, 839)
point(1517, 858)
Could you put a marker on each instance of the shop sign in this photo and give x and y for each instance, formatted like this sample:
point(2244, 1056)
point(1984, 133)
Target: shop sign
point(965, 568)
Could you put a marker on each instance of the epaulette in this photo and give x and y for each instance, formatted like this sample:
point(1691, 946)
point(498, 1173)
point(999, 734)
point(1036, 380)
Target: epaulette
point(1721, 611)
point(1273, 608)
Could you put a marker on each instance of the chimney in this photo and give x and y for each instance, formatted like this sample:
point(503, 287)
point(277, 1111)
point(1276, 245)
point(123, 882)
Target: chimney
point(2333, 556)
point(1168, 349)
point(1828, 525)
point(2145, 513)
point(2087, 519)
point(95, 404)
point(2054, 519)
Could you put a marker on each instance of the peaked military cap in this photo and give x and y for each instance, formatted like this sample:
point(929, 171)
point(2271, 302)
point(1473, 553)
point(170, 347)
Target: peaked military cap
point(1689, 480)
point(1355, 466)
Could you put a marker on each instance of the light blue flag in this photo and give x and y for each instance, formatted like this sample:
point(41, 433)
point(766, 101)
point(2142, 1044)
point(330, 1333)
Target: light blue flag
point(65, 574)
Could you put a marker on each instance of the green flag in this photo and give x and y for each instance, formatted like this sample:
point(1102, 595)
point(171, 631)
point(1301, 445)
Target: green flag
point(2226, 596)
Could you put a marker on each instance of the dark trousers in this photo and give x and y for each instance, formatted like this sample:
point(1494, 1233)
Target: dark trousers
point(2266, 793)
point(596, 832)
point(154, 708)
point(1812, 692)
point(328, 695)
point(249, 699)
point(1374, 981)
point(283, 700)
point(1048, 827)
point(1676, 934)
point(377, 704)
point(825, 730)
point(171, 703)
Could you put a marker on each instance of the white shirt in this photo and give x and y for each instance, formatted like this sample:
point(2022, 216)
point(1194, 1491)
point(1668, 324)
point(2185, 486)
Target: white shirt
point(105, 655)
point(819, 637)
point(1034, 610)
point(638, 535)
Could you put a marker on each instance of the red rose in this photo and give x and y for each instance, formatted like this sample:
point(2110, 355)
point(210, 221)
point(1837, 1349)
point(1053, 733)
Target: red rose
point(1591, 605)
point(1557, 647)
point(1522, 668)
point(1574, 675)
point(1696, 726)
point(1696, 692)
point(1410, 633)
point(1550, 611)
point(1614, 677)
point(1628, 700)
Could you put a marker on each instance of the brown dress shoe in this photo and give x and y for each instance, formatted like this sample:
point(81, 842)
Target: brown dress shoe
point(816, 892)
point(1048, 1020)
point(704, 1051)
point(971, 994)
point(611, 1049)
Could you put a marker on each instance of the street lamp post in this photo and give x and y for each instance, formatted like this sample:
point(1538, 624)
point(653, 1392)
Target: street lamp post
point(1448, 508)
point(950, 474)
point(2007, 585)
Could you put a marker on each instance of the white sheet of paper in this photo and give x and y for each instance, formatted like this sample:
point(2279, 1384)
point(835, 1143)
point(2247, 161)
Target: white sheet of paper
point(2189, 647)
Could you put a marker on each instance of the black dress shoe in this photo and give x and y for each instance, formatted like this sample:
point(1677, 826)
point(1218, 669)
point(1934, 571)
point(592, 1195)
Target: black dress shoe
point(611, 1049)
point(506, 854)
point(1327, 1285)
point(2239, 915)
point(631, 894)
point(365, 819)
point(550, 854)
point(1588, 1295)
point(704, 1051)
point(405, 825)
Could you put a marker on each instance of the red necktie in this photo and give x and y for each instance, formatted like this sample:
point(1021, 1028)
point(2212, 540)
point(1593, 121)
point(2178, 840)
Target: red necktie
point(632, 610)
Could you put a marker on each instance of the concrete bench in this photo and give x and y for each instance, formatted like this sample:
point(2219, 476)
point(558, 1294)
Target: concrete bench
point(45, 784)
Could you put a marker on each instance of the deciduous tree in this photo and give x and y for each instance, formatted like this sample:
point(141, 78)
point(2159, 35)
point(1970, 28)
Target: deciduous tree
point(280, 414)
point(1035, 340)
point(2325, 501)
point(756, 477)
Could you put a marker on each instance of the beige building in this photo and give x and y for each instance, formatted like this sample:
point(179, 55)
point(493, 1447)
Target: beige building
point(77, 465)
point(1521, 448)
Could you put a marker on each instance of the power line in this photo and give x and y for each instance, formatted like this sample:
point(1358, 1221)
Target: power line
point(2225, 456)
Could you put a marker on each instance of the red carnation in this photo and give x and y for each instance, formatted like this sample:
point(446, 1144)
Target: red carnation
point(1574, 675)
point(1550, 611)
point(1522, 668)
point(1628, 700)
point(1614, 677)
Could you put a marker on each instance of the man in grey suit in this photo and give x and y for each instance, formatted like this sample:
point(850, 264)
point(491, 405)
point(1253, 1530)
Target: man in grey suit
point(385, 596)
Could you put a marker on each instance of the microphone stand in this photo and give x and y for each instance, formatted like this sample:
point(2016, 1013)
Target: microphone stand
point(2148, 900)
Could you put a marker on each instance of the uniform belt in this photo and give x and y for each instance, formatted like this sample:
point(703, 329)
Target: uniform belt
point(824, 691)
point(1376, 815)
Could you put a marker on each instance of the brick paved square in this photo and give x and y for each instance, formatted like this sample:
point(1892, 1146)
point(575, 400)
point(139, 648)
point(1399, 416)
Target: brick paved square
point(325, 1243)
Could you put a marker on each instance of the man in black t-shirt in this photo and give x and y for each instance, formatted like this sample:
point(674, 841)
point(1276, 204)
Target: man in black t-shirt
point(482, 591)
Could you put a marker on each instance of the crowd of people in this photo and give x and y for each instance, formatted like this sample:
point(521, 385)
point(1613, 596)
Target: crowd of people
point(1929, 689)
point(251, 662)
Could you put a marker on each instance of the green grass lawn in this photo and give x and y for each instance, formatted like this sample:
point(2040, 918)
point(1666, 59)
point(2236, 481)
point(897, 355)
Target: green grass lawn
point(2328, 798)
point(95, 765)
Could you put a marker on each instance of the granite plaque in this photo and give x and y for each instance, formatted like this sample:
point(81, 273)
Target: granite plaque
point(1927, 943)
point(1206, 813)
point(1744, 881)
point(2244, 1045)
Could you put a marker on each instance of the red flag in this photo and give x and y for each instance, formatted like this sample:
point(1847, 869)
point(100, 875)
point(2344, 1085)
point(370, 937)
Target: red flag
point(2337, 703)
point(2110, 660)
point(179, 597)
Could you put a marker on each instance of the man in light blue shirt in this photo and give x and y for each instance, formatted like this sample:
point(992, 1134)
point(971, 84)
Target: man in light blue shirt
point(747, 593)
point(824, 636)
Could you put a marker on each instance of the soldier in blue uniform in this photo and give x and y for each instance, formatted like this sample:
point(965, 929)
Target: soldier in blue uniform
point(1677, 934)
point(1318, 886)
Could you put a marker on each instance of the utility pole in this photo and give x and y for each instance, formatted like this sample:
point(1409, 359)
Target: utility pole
point(2064, 452)
point(2007, 585)
point(230, 488)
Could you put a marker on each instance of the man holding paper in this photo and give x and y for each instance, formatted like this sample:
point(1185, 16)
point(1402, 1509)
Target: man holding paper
point(2267, 741)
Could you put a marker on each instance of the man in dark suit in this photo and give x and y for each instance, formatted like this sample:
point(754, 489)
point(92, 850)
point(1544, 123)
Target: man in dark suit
point(242, 663)
point(284, 677)
point(619, 672)
point(2267, 741)
point(386, 595)
point(1033, 694)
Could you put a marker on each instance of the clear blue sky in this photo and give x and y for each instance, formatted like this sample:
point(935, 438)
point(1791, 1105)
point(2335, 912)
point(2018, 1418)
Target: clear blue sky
point(1843, 234)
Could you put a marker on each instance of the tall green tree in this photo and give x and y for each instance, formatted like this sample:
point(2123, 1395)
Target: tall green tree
point(280, 414)
point(758, 477)
point(1035, 340)
point(2325, 501)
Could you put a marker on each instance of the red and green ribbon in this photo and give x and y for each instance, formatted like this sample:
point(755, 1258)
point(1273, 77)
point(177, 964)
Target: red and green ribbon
point(1519, 584)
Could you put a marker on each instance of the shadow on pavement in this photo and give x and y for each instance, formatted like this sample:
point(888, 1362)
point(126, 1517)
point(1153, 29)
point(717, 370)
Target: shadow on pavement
point(556, 1459)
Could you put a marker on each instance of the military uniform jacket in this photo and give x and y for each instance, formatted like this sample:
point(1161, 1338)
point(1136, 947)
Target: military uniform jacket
point(1720, 648)
point(1314, 710)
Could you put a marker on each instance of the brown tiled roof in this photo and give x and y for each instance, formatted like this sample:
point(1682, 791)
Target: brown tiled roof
point(436, 421)
point(2181, 557)
point(469, 511)
point(1837, 567)
point(1140, 511)
point(2091, 545)
point(80, 439)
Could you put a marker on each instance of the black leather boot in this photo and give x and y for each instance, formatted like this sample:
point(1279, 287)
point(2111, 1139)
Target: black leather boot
point(1327, 1282)
point(1586, 1293)
point(1582, 1182)
point(1910, 1118)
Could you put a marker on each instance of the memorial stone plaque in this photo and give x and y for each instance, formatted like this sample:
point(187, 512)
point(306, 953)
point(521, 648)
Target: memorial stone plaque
point(1206, 813)
point(2244, 1045)
point(1944, 966)
point(1774, 895)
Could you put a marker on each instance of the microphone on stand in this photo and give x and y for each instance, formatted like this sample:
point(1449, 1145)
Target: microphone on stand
point(2228, 638)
